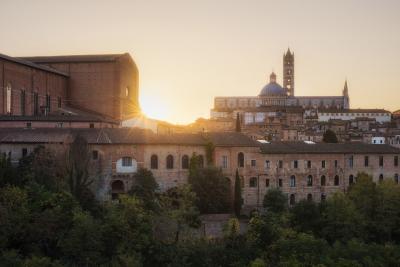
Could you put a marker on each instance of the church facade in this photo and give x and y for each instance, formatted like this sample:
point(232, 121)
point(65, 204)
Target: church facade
point(275, 95)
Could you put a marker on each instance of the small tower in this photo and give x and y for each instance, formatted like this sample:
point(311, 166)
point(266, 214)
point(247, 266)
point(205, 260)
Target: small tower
point(346, 96)
point(288, 72)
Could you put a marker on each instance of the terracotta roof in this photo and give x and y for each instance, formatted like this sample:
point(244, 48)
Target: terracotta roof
point(353, 111)
point(32, 65)
point(74, 58)
point(122, 136)
point(327, 148)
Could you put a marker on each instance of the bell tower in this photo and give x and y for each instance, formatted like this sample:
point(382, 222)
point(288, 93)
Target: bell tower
point(288, 72)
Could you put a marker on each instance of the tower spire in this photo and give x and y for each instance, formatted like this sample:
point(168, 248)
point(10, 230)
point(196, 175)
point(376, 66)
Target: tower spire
point(288, 72)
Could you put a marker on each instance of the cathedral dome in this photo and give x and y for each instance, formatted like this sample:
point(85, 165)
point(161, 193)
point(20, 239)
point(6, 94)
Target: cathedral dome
point(272, 88)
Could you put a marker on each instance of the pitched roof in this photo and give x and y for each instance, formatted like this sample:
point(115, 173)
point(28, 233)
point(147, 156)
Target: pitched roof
point(326, 148)
point(122, 136)
point(25, 62)
point(74, 58)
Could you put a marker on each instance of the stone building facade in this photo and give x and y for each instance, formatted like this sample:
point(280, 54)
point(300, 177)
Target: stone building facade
point(300, 169)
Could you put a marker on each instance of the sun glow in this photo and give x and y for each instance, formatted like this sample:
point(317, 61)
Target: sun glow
point(154, 108)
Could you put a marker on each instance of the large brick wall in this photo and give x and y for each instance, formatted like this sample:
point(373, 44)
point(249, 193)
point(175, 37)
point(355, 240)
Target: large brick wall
point(31, 80)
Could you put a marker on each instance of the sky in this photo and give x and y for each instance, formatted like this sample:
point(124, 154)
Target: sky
point(190, 51)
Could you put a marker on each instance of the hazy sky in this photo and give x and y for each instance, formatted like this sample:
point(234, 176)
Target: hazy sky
point(190, 51)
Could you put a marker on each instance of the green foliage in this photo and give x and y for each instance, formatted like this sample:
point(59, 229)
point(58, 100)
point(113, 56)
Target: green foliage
point(275, 201)
point(232, 228)
point(210, 153)
point(237, 198)
point(211, 187)
point(305, 217)
point(330, 137)
point(144, 188)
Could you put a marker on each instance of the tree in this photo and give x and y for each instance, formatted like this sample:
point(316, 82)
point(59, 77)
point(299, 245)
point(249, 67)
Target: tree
point(275, 201)
point(77, 170)
point(330, 137)
point(212, 190)
point(178, 205)
point(305, 216)
point(238, 126)
point(340, 219)
point(144, 188)
point(237, 199)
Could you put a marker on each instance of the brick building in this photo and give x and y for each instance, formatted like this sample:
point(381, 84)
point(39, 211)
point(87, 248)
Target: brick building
point(100, 90)
point(300, 169)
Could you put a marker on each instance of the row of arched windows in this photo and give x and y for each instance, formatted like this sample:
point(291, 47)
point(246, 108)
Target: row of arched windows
point(169, 162)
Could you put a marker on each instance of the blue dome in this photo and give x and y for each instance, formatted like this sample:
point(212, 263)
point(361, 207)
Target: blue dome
point(272, 89)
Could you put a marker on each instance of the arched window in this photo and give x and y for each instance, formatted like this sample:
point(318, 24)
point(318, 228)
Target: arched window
point(323, 197)
point(154, 162)
point(396, 178)
point(185, 162)
point(381, 178)
point(292, 199)
point(253, 182)
point(309, 180)
point(201, 161)
point(292, 181)
point(170, 162)
point(351, 179)
point(323, 180)
point(240, 160)
point(309, 197)
point(337, 181)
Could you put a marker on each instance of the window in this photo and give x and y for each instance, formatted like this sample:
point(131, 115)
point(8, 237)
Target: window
point(336, 163)
point(309, 197)
point(380, 161)
point(309, 164)
point(309, 180)
point(126, 161)
point(396, 161)
point(323, 180)
point(59, 102)
point(91, 125)
point(323, 164)
point(292, 199)
point(8, 99)
point(280, 182)
point(154, 162)
point(351, 161)
point(266, 182)
point(224, 162)
point(24, 152)
point(280, 164)
point(267, 164)
point(22, 102)
point(323, 197)
point(48, 103)
point(336, 180)
point(292, 181)
point(127, 91)
point(29, 125)
point(240, 160)
point(295, 164)
point(35, 104)
point(95, 154)
point(396, 178)
point(366, 161)
point(381, 178)
point(170, 162)
point(351, 179)
point(253, 182)
point(253, 163)
point(185, 162)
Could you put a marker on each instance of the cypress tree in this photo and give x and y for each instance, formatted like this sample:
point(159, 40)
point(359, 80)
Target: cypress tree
point(237, 201)
point(238, 128)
